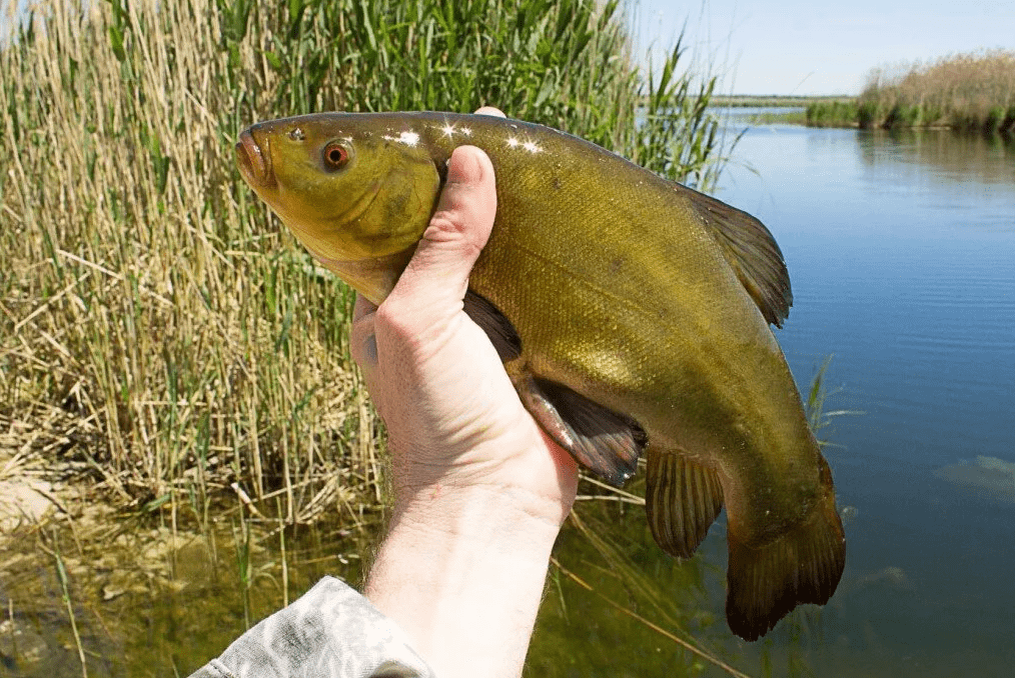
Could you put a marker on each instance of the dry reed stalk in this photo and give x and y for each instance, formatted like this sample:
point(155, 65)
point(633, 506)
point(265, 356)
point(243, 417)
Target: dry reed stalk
point(138, 271)
point(971, 90)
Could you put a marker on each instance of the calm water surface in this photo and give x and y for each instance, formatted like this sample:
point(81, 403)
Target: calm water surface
point(901, 251)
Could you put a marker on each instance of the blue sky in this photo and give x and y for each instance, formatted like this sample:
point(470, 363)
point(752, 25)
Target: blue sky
point(803, 47)
point(806, 47)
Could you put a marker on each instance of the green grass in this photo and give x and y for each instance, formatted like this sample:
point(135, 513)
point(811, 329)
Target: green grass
point(831, 114)
point(794, 117)
point(148, 297)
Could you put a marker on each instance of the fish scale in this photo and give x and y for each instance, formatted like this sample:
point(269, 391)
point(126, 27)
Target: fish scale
point(632, 315)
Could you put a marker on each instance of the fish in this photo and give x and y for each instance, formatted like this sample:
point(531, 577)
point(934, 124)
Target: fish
point(632, 314)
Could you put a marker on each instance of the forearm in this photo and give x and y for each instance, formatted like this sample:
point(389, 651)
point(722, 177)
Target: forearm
point(480, 490)
point(462, 571)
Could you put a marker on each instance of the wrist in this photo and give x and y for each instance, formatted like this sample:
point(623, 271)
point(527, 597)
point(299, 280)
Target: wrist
point(537, 482)
point(478, 512)
point(462, 571)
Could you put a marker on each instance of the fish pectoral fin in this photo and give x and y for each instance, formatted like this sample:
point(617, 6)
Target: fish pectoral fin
point(498, 328)
point(682, 499)
point(604, 441)
point(803, 565)
point(752, 252)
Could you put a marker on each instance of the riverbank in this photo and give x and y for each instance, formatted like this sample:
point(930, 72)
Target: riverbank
point(188, 343)
point(772, 100)
point(972, 92)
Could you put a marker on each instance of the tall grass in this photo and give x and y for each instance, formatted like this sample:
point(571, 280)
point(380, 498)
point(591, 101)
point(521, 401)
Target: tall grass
point(830, 113)
point(151, 303)
point(973, 91)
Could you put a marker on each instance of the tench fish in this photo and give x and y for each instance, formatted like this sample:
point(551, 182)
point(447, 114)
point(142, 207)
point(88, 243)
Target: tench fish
point(632, 315)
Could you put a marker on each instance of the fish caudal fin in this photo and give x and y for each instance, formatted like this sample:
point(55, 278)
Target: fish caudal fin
point(682, 499)
point(802, 566)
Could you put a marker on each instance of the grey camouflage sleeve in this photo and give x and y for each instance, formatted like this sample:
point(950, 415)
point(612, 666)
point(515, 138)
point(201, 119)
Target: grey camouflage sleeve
point(330, 632)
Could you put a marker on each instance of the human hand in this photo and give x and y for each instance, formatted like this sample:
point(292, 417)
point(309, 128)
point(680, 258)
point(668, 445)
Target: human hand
point(455, 423)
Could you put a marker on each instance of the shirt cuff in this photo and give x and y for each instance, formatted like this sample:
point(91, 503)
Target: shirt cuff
point(330, 632)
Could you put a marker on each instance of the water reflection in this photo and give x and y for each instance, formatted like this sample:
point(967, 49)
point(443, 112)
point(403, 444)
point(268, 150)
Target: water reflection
point(944, 155)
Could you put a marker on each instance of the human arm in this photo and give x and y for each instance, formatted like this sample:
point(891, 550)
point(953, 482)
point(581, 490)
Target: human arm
point(480, 491)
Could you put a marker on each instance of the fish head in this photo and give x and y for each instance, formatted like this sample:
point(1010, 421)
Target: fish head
point(357, 198)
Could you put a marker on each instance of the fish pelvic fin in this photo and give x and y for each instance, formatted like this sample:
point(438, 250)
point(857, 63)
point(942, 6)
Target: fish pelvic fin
point(603, 441)
point(803, 565)
point(682, 499)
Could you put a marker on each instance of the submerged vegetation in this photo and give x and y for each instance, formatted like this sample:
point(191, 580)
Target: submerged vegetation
point(969, 92)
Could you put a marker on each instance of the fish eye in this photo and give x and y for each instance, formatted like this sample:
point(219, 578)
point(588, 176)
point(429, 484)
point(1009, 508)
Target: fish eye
point(335, 156)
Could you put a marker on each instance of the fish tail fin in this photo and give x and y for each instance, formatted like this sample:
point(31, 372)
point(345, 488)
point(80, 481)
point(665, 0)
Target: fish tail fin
point(802, 566)
point(682, 499)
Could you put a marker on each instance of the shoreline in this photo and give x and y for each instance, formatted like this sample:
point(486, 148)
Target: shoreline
point(842, 112)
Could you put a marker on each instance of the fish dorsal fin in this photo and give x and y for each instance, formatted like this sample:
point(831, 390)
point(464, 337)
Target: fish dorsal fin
point(605, 442)
point(752, 252)
point(682, 499)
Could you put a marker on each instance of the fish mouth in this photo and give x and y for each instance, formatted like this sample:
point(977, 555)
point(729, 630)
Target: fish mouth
point(254, 162)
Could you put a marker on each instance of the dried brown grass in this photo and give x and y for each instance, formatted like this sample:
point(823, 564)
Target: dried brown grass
point(140, 292)
point(971, 90)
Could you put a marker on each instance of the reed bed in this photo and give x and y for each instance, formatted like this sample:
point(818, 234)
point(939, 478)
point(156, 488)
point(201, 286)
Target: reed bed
point(971, 92)
point(831, 113)
point(189, 348)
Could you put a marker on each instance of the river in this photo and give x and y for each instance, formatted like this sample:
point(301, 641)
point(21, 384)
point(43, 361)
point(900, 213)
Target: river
point(901, 249)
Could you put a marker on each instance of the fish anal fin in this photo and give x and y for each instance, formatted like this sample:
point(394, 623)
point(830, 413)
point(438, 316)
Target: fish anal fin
point(604, 441)
point(752, 253)
point(496, 325)
point(682, 499)
point(803, 565)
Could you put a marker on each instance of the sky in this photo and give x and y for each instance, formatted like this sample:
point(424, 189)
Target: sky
point(803, 47)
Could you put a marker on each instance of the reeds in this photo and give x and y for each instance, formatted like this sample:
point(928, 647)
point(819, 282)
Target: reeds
point(143, 292)
point(973, 91)
point(831, 113)
point(148, 296)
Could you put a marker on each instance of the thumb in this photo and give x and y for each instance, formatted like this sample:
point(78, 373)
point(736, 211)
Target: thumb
point(439, 270)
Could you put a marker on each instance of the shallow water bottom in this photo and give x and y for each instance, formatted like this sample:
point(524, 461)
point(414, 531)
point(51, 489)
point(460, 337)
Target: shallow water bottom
point(151, 601)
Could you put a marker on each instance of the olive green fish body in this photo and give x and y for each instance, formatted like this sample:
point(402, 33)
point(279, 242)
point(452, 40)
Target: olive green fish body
point(632, 313)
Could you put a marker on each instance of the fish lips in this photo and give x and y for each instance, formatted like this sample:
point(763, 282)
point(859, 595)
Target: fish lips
point(254, 162)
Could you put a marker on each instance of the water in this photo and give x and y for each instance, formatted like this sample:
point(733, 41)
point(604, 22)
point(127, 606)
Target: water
point(901, 249)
